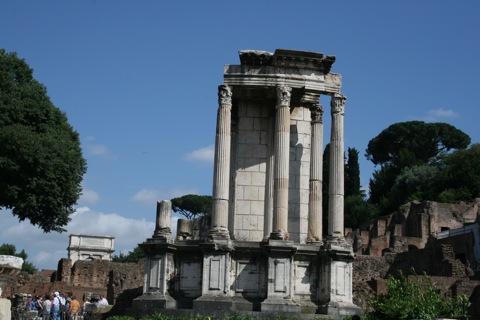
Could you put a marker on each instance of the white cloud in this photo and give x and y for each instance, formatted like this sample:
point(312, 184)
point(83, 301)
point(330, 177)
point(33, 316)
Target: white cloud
point(147, 196)
point(99, 150)
point(440, 113)
point(46, 249)
point(205, 154)
point(88, 197)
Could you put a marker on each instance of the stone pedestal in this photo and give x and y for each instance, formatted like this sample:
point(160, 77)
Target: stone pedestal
point(279, 273)
point(336, 296)
point(159, 271)
point(216, 293)
point(9, 266)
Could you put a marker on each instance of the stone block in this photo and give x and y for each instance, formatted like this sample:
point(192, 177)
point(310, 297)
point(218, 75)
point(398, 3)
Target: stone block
point(245, 123)
point(304, 129)
point(257, 235)
point(264, 137)
point(244, 178)
point(252, 164)
point(257, 208)
point(244, 151)
point(252, 137)
point(250, 193)
point(249, 222)
point(242, 207)
point(258, 179)
point(260, 124)
point(239, 193)
point(296, 113)
point(253, 110)
point(262, 166)
point(259, 151)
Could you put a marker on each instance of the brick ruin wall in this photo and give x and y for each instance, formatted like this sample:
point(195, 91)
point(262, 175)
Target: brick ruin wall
point(118, 282)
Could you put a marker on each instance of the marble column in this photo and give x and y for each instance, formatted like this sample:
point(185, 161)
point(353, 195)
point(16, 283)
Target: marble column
point(336, 182)
point(221, 175)
point(316, 175)
point(163, 228)
point(281, 165)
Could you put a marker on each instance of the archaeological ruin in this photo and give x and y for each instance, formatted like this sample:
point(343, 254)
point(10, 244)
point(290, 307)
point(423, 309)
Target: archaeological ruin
point(264, 251)
point(90, 247)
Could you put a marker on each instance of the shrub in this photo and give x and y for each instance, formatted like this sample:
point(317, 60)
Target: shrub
point(415, 298)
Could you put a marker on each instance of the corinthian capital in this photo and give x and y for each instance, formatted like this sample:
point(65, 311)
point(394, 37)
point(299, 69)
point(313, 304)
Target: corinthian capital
point(316, 112)
point(284, 94)
point(338, 103)
point(224, 96)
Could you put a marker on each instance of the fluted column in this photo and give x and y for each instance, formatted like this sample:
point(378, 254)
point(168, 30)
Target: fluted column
point(163, 226)
point(281, 165)
point(336, 182)
point(221, 174)
point(316, 175)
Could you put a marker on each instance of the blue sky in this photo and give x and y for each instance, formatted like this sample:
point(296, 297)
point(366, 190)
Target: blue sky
point(138, 81)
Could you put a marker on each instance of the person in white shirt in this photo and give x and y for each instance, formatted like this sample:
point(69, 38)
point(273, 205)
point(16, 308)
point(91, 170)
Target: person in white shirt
point(102, 301)
point(56, 306)
point(47, 304)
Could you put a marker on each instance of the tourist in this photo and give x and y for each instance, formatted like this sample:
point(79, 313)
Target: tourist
point(74, 308)
point(47, 307)
point(103, 301)
point(56, 306)
point(86, 301)
point(39, 303)
point(30, 304)
point(66, 314)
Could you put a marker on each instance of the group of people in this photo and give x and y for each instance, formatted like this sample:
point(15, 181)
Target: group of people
point(57, 306)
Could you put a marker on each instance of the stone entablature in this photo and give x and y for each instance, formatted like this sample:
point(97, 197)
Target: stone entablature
point(90, 247)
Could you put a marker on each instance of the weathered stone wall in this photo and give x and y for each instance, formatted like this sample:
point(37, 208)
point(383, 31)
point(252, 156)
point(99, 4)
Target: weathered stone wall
point(252, 147)
point(99, 276)
point(370, 273)
point(252, 136)
point(414, 226)
point(299, 177)
point(90, 273)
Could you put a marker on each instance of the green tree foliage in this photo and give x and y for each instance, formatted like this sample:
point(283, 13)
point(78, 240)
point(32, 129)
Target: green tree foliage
point(41, 162)
point(414, 183)
point(414, 142)
point(416, 298)
point(459, 177)
point(357, 211)
point(405, 145)
point(352, 174)
point(192, 205)
point(132, 256)
point(11, 250)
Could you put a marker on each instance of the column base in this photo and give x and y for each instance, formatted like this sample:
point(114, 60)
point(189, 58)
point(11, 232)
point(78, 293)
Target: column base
point(280, 305)
point(279, 235)
point(213, 303)
point(153, 301)
point(218, 233)
point(340, 310)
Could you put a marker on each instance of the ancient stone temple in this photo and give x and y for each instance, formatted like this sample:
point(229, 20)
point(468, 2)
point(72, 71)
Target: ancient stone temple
point(264, 250)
